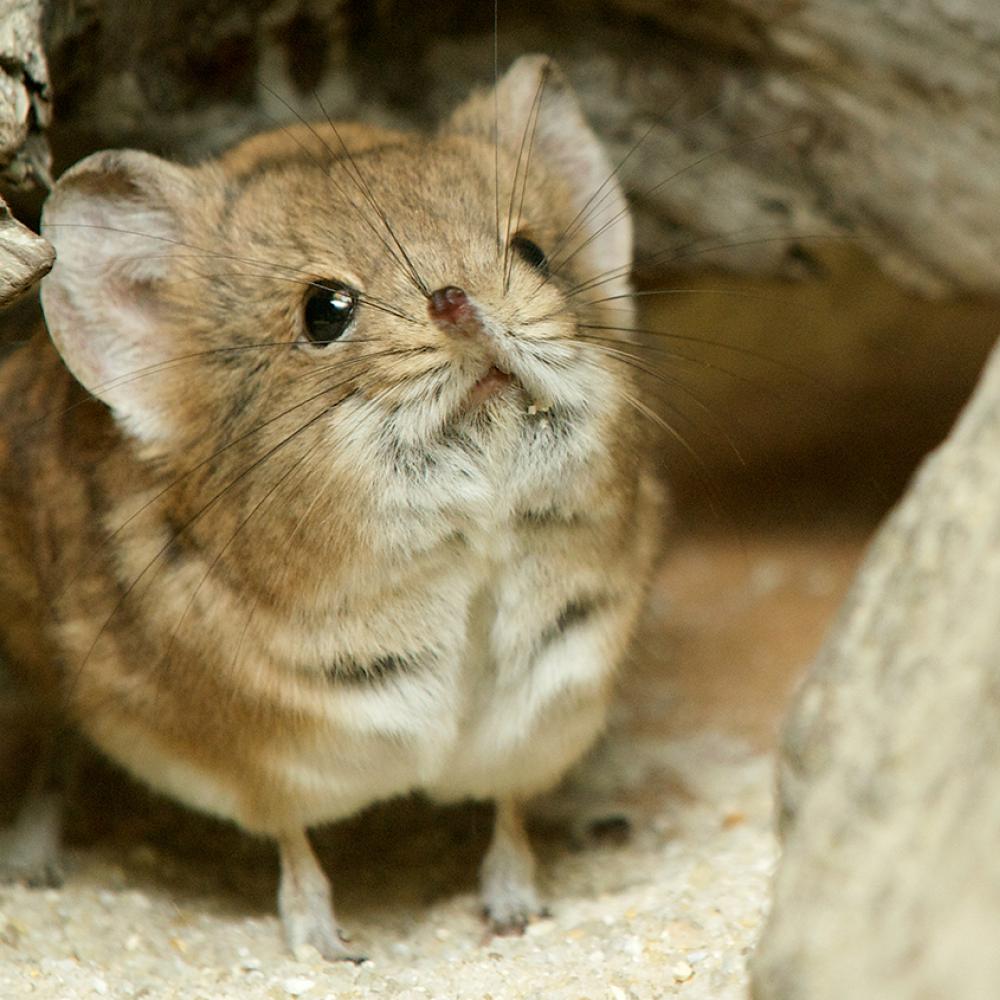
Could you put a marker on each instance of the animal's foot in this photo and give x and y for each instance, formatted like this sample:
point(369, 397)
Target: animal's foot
point(510, 900)
point(29, 848)
point(304, 930)
point(510, 916)
point(38, 873)
point(305, 903)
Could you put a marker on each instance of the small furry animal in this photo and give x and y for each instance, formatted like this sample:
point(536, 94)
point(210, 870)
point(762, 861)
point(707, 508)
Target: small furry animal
point(359, 509)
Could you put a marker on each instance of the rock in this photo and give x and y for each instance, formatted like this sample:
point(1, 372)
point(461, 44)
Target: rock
point(889, 886)
point(24, 154)
point(767, 127)
point(681, 971)
point(24, 95)
point(298, 986)
point(24, 256)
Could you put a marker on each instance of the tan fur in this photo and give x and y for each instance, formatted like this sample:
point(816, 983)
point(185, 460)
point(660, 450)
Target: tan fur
point(182, 581)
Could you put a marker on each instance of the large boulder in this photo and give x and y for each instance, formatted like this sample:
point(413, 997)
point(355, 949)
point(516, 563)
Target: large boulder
point(766, 126)
point(889, 885)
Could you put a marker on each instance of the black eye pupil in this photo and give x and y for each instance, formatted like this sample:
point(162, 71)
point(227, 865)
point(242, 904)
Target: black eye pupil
point(328, 312)
point(531, 253)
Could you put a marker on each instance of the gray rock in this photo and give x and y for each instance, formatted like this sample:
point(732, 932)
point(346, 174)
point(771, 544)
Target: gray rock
point(24, 153)
point(24, 95)
point(24, 256)
point(889, 886)
point(771, 128)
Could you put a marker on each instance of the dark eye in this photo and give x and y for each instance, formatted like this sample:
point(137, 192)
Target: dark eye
point(329, 311)
point(531, 253)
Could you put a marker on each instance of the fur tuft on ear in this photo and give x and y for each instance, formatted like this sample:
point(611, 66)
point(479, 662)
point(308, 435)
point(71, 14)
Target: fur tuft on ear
point(112, 219)
point(534, 85)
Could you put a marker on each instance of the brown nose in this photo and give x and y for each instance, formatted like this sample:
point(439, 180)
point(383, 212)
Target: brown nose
point(450, 307)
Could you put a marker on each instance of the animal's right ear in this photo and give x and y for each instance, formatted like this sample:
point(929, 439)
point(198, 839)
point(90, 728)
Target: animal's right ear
point(534, 99)
point(113, 220)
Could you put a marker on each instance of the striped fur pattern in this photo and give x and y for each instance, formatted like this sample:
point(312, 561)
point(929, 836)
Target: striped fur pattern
point(279, 580)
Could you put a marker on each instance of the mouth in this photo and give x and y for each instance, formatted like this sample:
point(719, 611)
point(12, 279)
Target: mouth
point(491, 384)
point(494, 382)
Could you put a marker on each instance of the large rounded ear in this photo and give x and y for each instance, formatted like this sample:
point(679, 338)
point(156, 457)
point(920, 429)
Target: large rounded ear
point(535, 88)
point(113, 220)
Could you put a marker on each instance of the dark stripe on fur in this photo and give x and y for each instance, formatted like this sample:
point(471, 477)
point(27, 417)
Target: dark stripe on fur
point(576, 612)
point(382, 668)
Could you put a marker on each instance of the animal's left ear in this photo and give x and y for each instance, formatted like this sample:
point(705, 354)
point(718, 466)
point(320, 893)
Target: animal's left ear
point(535, 86)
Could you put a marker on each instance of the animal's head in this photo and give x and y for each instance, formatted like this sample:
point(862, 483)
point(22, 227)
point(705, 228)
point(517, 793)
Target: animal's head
point(322, 291)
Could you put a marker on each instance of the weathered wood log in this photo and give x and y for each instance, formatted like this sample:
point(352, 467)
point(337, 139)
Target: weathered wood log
point(24, 95)
point(771, 121)
point(889, 886)
point(24, 256)
point(24, 154)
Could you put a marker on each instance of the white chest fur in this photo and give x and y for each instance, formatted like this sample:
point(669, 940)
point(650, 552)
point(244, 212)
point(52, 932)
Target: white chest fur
point(485, 628)
point(487, 692)
point(468, 655)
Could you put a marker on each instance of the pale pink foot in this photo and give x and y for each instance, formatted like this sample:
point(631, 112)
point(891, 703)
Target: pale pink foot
point(507, 877)
point(305, 902)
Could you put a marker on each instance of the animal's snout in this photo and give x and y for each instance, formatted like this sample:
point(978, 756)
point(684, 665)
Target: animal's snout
point(451, 309)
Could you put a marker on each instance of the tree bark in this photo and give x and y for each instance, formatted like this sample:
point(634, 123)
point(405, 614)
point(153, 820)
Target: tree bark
point(889, 885)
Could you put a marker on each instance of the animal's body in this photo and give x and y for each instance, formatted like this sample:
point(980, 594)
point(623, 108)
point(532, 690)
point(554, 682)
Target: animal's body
point(356, 511)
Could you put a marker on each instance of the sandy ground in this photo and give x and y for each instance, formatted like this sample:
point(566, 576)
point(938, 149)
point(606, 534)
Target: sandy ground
point(160, 903)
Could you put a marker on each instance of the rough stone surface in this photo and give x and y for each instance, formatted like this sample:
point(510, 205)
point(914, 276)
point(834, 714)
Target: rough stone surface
point(893, 112)
point(889, 887)
point(24, 154)
point(767, 126)
point(24, 256)
point(24, 95)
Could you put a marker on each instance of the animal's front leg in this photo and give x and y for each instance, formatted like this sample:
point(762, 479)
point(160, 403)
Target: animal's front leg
point(305, 901)
point(507, 877)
